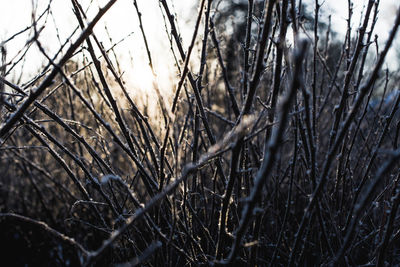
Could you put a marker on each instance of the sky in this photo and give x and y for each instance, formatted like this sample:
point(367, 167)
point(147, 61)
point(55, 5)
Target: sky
point(121, 22)
point(386, 15)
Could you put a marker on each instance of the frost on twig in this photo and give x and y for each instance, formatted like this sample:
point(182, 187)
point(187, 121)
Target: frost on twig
point(107, 178)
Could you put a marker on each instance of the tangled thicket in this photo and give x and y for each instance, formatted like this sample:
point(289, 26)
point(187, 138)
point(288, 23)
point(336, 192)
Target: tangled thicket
point(273, 149)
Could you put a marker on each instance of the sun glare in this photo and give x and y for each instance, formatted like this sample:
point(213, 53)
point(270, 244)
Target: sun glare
point(142, 77)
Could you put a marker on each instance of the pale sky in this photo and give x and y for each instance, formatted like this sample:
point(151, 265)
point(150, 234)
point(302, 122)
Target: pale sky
point(338, 9)
point(121, 20)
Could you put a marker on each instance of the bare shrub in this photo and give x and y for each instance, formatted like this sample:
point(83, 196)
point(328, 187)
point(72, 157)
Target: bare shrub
point(278, 144)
